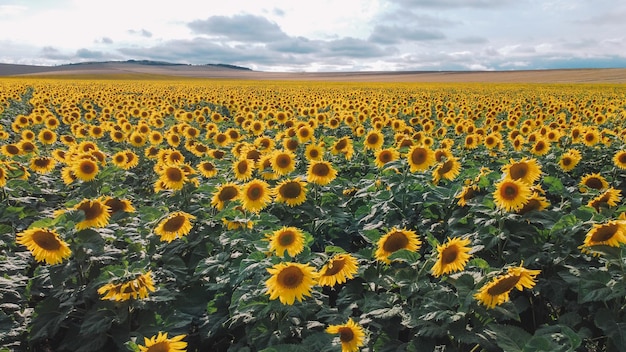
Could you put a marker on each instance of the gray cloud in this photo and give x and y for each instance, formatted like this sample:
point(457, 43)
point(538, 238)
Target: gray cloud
point(472, 40)
point(353, 47)
point(296, 45)
point(394, 34)
point(104, 40)
point(51, 53)
point(487, 4)
point(90, 54)
point(243, 28)
point(142, 32)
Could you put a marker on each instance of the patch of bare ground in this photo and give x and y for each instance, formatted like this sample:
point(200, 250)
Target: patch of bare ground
point(129, 70)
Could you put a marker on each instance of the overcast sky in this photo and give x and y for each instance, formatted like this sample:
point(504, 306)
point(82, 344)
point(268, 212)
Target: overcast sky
point(319, 35)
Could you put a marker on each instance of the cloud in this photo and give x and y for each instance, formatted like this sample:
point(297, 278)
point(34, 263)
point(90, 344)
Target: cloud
point(354, 48)
point(142, 32)
point(394, 34)
point(242, 28)
point(90, 54)
point(104, 40)
point(51, 53)
point(296, 45)
point(487, 4)
point(472, 40)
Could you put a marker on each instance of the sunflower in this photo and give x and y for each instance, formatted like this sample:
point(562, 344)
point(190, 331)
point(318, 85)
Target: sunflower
point(290, 239)
point(283, 162)
point(535, 203)
point(608, 198)
point(395, 240)
point(243, 169)
point(290, 281)
point(45, 245)
point(118, 205)
point(47, 136)
point(420, 158)
point(612, 233)
point(541, 147)
point(343, 146)
point(451, 256)
point(207, 169)
point(225, 193)
point(292, 192)
point(448, 169)
point(497, 291)
point(373, 140)
point(591, 137)
point(42, 164)
point(321, 172)
point(619, 159)
point(67, 175)
point(467, 193)
point(97, 214)
point(136, 288)
point(175, 225)
point(351, 335)
point(339, 269)
point(593, 181)
point(85, 169)
point(10, 150)
point(304, 134)
point(255, 195)
point(3, 176)
point(314, 152)
point(511, 195)
point(383, 156)
point(526, 170)
point(569, 160)
point(173, 177)
point(161, 343)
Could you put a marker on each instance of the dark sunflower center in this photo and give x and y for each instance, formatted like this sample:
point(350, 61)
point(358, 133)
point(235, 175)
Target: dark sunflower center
point(208, 167)
point(163, 346)
point(174, 224)
point(396, 241)
point(218, 154)
point(509, 191)
point(290, 277)
point(227, 193)
point(567, 161)
point(320, 169)
point(604, 233)
point(503, 285)
point(47, 136)
point(92, 211)
point(447, 166)
point(532, 204)
point(518, 170)
point(594, 183)
point(622, 158)
point(385, 156)
point(286, 238)
point(590, 137)
point(283, 160)
point(449, 254)
point(540, 146)
point(13, 150)
point(304, 132)
point(174, 174)
point(346, 334)
point(220, 138)
point(242, 167)
point(255, 192)
point(314, 153)
point(88, 167)
point(372, 139)
point(42, 162)
point(290, 190)
point(46, 240)
point(335, 266)
point(418, 156)
point(253, 154)
point(341, 144)
point(115, 205)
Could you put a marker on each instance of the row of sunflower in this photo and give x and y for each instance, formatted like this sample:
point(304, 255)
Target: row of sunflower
point(264, 216)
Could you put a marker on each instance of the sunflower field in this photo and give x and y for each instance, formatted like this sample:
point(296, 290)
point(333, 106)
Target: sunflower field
point(205, 215)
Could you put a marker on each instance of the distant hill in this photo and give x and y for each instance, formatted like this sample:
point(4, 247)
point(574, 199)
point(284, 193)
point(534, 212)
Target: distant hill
point(156, 63)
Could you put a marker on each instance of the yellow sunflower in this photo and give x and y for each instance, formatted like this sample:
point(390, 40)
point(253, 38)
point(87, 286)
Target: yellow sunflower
point(136, 288)
point(448, 169)
point(526, 170)
point(511, 195)
point(383, 156)
point(255, 195)
point(351, 335)
point(343, 146)
point(608, 198)
point(45, 245)
point(118, 205)
point(161, 343)
point(593, 181)
point(373, 140)
point(541, 147)
point(339, 269)
point(85, 169)
point(452, 256)
point(569, 160)
point(467, 193)
point(207, 169)
point(394, 240)
point(97, 214)
point(619, 159)
point(420, 158)
point(243, 169)
point(42, 164)
point(536, 202)
point(289, 239)
point(173, 177)
point(290, 281)
point(225, 193)
point(496, 292)
point(283, 162)
point(292, 192)
point(321, 172)
point(314, 152)
point(175, 225)
point(612, 233)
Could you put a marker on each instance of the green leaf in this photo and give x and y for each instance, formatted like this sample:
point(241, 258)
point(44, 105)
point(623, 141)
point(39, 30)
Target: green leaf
point(405, 255)
point(614, 328)
point(508, 337)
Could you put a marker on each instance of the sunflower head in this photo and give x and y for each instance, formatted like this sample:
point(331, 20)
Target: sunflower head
point(394, 240)
point(175, 225)
point(321, 172)
point(511, 195)
point(351, 335)
point(161, 343)
point(452, 256)
point(526, 170)
point(290, 281)
point(292, 192)
point(286, 239)
point(338, 270)
point(45, 245)
point(255, 195)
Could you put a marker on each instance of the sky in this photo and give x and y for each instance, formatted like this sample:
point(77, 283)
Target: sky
point(319, 35)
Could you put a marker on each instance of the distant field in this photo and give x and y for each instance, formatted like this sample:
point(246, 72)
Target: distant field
point(127, 70)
